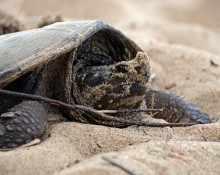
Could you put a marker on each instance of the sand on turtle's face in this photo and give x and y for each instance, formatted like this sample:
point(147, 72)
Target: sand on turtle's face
point(182, 40)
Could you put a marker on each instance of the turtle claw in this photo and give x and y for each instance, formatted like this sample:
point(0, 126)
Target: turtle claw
point(214, 119)
point(8, 115)
point(29, 144)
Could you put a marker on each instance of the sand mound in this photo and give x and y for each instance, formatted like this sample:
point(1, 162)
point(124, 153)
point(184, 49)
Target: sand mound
point(70, 144)
point(8, 24)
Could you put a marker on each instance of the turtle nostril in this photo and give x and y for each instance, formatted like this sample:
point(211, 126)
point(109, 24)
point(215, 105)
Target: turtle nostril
point(121, 68)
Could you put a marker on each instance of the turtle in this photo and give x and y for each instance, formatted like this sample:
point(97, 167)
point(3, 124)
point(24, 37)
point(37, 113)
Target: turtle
point(87, 63)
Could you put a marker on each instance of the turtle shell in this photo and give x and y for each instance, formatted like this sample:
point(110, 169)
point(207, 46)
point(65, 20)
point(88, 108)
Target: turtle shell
point(21, 52)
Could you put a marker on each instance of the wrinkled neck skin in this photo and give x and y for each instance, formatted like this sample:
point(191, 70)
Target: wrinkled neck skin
point(56, 80)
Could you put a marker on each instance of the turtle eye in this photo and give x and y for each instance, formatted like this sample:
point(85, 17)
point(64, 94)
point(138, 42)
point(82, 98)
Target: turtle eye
point(95, 50)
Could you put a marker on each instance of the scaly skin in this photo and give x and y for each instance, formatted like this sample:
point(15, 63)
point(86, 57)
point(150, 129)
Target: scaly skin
point(175, 108)
point(21, 124)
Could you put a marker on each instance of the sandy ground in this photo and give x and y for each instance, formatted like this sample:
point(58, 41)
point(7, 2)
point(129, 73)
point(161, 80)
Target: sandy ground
point(183, 41)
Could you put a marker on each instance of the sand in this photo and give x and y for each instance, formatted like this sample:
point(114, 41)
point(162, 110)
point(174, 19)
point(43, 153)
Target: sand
point(182, 39)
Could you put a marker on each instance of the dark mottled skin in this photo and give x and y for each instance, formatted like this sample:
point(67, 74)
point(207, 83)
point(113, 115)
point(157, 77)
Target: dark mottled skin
point(21, 124)
point(97, 63)
point(176, 109)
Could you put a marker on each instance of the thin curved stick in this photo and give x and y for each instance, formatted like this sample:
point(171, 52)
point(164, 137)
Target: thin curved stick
point(89, 110)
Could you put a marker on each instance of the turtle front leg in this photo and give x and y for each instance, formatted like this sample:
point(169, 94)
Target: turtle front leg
point(175, 108)
point(22, 123)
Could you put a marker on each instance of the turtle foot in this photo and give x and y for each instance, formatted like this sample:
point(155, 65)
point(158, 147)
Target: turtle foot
point(21, 124)
point(175, 108)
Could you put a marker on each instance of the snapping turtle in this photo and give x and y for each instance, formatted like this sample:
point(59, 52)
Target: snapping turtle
point(87, 63)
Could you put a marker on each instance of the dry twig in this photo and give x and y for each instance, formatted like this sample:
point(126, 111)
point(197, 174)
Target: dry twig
point(113, 162)
point(88, 110)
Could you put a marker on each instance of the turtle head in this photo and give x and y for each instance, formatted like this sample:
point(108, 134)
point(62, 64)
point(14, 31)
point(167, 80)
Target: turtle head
point(110, 71)
point(114, 86)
